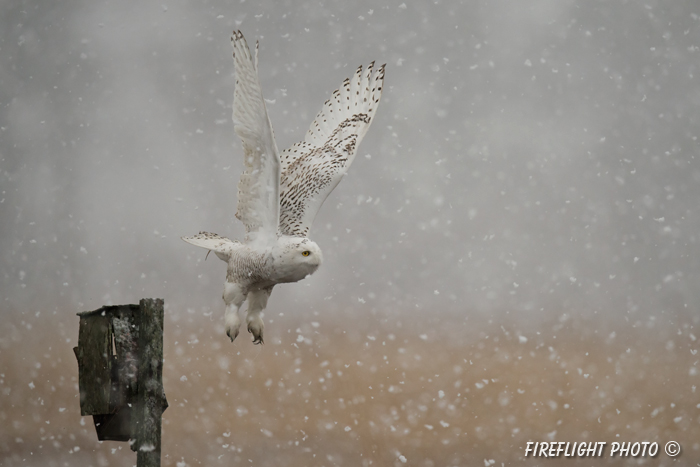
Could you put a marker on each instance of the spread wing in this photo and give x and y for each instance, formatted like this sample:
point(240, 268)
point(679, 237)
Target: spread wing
point(258, 189)
point(312, 168)
point(222, 246)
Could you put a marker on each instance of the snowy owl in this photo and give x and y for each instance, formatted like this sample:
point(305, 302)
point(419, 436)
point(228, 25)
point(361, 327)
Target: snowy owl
point(279, 194)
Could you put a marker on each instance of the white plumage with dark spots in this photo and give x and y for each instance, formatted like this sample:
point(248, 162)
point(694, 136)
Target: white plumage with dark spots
point(279, 194)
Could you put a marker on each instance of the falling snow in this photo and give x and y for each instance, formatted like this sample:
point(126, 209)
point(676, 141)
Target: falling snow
point(514, 252)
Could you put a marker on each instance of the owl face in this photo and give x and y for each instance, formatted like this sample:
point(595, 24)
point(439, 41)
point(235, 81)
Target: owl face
point(295, 258)
point(309, 250)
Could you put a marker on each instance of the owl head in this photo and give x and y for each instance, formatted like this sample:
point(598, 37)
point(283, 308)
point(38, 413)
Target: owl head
point(296, 257)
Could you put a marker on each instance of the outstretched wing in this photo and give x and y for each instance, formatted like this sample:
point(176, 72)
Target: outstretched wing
point(258, 189)
point(222, 246)
point(312, 168)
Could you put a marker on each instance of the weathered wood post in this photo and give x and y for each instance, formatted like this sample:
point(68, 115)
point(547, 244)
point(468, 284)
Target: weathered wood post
point(151, 399)
point(120, 362)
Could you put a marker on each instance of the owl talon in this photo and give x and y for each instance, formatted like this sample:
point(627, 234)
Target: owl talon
point(255, 327)
point(257, 333)
point(232, 333)
point(231, 321)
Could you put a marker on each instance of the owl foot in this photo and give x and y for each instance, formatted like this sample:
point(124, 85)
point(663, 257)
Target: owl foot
point(255, 327)
point(258, 340)
point(232, 333)
point(232, 323)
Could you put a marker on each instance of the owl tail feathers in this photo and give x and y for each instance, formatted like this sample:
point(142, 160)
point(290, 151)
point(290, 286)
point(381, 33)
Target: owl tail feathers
point(222, 246)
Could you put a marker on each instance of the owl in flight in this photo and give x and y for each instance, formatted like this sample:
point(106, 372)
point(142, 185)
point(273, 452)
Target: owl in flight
point(280, 193)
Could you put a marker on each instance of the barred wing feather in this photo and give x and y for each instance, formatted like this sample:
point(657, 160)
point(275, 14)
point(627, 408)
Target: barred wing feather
point(222, 246)
point(258, 188)
point(312, 168)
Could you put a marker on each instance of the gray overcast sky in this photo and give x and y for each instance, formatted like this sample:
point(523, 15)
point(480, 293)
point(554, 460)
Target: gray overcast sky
point(534, 158)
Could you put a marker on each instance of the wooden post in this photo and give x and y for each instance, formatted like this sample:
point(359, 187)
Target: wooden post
point(120, 361)
point(149, 406)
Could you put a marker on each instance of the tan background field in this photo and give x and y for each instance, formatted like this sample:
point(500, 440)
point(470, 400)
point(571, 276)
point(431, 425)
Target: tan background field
point(325, 393)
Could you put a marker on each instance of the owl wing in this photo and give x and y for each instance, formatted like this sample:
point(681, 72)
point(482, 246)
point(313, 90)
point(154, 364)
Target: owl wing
point(258, 188)
point(222, 246)
point(312, 168)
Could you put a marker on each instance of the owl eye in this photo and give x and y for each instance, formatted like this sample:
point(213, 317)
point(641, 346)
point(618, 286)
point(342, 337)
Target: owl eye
point(305, 253)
